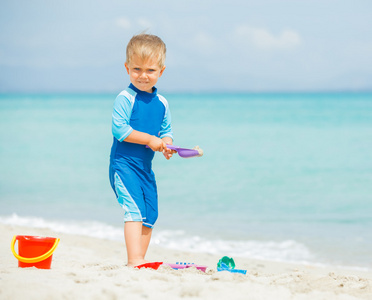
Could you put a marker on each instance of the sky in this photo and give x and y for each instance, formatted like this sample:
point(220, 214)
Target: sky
point(212, 46)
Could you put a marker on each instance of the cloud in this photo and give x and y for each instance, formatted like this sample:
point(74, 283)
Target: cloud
point(263, 39)
point(204, 42)
point(140, 23)
point(144, 23)
point(123, 23)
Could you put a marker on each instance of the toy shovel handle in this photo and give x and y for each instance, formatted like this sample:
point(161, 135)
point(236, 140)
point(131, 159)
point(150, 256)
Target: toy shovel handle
point(173, 147)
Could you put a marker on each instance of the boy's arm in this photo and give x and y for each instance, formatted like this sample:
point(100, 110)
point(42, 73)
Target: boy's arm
point(122, 130)
point(122, 111)
point(166, 127)
point(166, 133)
point(168, 140)
point(155, 143)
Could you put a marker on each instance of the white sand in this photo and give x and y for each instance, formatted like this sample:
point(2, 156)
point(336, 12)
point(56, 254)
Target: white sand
point(88, 268)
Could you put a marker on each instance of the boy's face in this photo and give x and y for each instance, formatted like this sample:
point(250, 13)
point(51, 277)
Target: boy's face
point(144, 74)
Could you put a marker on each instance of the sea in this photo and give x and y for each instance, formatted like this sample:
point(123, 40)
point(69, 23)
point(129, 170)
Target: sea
point(284, 176)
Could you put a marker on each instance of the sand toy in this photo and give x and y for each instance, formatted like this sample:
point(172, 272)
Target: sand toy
point(184, 152)
point(227, 264)
point(187, 153)
point(181, 265)
point(34, 251)
point(150, 265)
point(176, 266)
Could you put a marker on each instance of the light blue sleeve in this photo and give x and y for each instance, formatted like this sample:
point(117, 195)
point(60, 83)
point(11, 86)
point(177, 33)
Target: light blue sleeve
point(121, 114)
point(166, 127)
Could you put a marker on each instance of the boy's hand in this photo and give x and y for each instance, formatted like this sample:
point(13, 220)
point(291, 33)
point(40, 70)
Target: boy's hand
point(168, 153)
point(157, 144)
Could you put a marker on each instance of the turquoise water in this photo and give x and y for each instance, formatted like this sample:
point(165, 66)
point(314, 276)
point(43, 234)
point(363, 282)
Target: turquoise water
point(284, 176)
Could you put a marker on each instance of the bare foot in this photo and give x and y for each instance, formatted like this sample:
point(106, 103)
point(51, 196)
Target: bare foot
point(136, 262)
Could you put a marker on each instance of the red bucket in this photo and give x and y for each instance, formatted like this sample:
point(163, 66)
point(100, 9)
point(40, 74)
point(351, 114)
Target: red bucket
point(34, 251)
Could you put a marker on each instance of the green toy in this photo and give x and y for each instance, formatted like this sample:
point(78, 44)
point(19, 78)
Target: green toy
point(227, 264)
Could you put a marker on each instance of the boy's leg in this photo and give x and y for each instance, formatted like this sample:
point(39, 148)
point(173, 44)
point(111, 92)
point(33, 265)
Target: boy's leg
point(146, 237)
point(133, 242)
point(137, 239)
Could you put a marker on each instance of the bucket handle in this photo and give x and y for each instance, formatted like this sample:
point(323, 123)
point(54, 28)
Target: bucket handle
point(31, 260)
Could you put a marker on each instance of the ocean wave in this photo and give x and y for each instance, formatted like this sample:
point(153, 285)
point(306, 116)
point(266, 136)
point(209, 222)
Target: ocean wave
point(286, 251)
point(86, 228)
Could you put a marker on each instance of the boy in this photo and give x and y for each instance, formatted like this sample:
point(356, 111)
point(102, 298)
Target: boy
point(141, 124)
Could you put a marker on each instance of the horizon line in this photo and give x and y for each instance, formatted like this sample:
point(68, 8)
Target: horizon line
point(194, 92)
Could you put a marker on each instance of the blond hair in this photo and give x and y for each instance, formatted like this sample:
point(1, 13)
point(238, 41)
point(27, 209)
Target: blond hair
point(146, 46)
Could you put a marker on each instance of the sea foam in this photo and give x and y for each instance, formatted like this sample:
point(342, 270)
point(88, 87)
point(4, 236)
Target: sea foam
point(286, 251)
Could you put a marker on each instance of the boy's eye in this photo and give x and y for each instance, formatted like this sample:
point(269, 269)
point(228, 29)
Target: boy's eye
point(137, 69)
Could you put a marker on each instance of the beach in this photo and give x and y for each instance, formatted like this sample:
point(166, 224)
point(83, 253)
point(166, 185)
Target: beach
point(288, 199)
point(283, 186)
point(91, 268)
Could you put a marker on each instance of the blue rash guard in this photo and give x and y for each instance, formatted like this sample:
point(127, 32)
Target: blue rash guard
point(131, 176)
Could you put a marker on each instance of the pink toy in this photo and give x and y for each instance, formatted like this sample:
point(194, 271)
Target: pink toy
point(178, 266)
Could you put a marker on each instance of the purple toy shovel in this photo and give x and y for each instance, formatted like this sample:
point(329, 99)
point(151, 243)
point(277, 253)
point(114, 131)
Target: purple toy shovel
point(185, 153)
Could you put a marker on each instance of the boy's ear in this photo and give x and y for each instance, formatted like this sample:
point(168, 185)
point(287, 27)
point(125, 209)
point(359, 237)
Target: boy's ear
point(161, 71)
point(126, 66)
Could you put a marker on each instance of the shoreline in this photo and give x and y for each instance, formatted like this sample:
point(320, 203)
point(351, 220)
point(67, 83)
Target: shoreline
point(88, 268)
point(168, 241)
point(191, 243)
